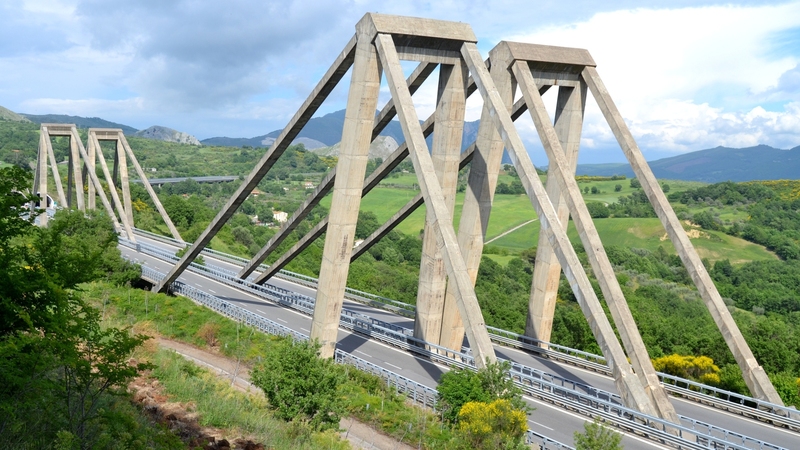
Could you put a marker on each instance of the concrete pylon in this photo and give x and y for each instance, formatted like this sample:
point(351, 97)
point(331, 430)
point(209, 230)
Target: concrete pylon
point(445, 155)
point(478, 198)
point(754, 375)
point(629, 386)
point(123, 215)
point(546, 270)
point(469, 309)
point(362, 102)
point(569, 63)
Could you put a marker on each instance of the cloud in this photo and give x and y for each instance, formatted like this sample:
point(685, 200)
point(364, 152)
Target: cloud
point(188, 55)
point(691, 78)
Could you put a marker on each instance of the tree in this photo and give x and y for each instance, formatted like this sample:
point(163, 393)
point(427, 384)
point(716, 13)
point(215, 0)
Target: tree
point(617, 187)
point(460, 386)
point(635, 183)
point(299, 384)
point(595, 190)
point(596, 436)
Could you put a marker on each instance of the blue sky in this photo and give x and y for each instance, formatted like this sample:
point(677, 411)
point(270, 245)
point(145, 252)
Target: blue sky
point(685, 75)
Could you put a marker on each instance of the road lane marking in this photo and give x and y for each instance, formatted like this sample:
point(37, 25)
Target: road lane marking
point(278, 318)
point(365, 354)
point(541, 425)
point(390, 364)
point(212, 291)
point(261, 311)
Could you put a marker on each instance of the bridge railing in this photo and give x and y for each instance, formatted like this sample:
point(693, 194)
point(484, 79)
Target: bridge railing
point(420, 394)
point(401, 337)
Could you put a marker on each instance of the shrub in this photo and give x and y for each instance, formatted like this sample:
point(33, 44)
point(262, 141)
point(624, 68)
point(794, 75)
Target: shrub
point(495, 425)
point(461, 386)
point(595, 436)
point(298, 384)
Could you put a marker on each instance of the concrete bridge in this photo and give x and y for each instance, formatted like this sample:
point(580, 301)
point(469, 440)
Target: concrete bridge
point(210, 179)
point(447, 310)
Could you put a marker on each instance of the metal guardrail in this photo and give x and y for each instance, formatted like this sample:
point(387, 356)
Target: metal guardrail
point(598, 402)
point(420, 394)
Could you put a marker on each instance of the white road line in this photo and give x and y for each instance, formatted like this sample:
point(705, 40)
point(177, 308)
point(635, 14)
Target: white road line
point(305, 329)
point(212, 291)
point(390, 364)
point(365, 354)
point(261, 311)
point(541, 425)
point(278, 318)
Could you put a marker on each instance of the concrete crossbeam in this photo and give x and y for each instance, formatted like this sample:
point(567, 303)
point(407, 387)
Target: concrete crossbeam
point(754, 375)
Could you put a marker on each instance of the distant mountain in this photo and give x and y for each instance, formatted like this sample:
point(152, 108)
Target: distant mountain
point(160, 133)
point(80, 122)
point(326, 131)
point(7, 114)
point(381, 147)
point(715, 165)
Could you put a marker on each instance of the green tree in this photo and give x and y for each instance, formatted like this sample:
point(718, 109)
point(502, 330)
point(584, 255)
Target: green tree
point(635, 183)
point(617, 187)
point(596, 436)
point(460, 386)
point(490, 426)
point(299, 384)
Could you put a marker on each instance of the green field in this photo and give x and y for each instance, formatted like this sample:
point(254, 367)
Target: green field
point(510, 211)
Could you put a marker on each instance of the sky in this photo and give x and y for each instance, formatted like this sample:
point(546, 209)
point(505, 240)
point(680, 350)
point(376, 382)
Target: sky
point(686, 75)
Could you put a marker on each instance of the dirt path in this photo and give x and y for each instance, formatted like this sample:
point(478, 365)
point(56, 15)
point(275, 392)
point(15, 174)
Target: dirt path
point(360, 435)
point(510, 231)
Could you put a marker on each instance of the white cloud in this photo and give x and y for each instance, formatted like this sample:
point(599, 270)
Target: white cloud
point(690, 78)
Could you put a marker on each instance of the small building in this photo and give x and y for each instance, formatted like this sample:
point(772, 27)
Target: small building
point(309, 185)
point(280, 216)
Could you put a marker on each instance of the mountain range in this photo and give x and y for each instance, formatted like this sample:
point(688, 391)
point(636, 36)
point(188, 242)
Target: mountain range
point(323, 133)
point(713, 165)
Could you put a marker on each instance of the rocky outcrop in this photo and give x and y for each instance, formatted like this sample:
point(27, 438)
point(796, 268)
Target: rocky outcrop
point(168, 135)
point(381, 147)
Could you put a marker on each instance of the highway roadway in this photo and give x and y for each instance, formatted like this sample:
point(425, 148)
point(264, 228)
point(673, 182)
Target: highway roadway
point(551, 421)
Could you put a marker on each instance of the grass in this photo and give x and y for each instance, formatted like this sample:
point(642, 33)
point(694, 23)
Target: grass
point(648, 234)
point(218, 405)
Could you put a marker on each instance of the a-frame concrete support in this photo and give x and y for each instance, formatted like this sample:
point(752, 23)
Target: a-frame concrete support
point(77, 161)
point(122, 153)
point(628, 385)
point(451, 103)
point(754, 375)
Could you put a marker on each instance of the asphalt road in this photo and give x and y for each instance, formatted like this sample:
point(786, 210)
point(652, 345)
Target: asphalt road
point(547, 419)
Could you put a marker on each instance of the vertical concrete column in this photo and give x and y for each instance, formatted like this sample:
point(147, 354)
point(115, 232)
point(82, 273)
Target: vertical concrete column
point(91, 201)
point(122, 164)
point(77, 164)
point(92, 175)
point(470, 311)
point(612, 292)
point(445, 154)
point(547, 270)
point(56, 176)
point(113, 189)
point(362, 102)
point(754, 375)
point(481, 184)
point(41, 171)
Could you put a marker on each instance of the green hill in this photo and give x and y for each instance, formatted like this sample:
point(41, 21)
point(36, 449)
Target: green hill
point(7, 114)
point(80, 122)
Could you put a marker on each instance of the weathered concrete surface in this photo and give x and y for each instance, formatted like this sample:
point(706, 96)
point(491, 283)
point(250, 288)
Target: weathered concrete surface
point(475, 327)
point(356, 136)
point(563, 172)
point(630, 388)
point(445, 155)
